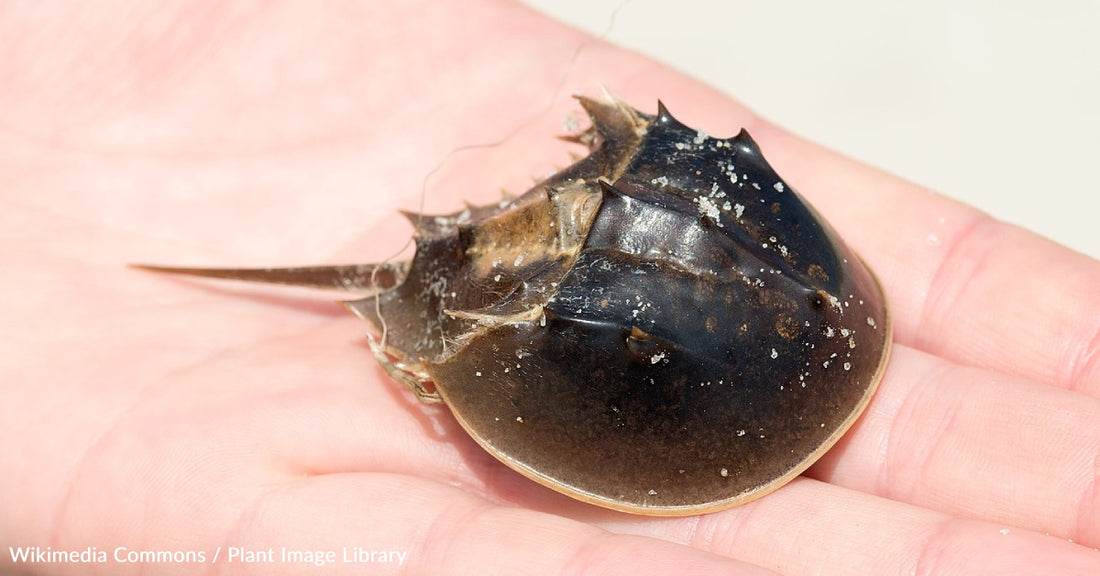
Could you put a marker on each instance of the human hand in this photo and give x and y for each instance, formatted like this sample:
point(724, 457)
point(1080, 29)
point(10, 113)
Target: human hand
point(154, 413)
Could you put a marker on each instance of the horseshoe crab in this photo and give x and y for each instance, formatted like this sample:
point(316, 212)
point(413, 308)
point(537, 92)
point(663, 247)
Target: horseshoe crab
point(664, 327)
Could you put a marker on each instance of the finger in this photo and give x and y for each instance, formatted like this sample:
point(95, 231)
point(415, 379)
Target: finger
point(438, 529)
point(809, 527)
point(977, 444)
point(961, 285)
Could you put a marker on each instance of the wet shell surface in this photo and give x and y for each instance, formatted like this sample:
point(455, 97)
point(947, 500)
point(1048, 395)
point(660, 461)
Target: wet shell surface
point(664, 327)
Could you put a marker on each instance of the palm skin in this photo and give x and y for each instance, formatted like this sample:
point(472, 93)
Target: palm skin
point(159, 413)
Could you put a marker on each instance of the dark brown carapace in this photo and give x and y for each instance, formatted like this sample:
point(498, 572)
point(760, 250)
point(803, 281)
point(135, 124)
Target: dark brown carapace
point(664, 327)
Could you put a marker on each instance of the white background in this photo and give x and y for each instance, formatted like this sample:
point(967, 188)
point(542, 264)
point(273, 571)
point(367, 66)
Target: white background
point(994, 103)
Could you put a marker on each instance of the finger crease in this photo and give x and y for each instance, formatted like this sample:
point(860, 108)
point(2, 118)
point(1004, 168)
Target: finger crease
point(1088, 506)
point(897, 481)
point(963, 258)
point(1082, 361)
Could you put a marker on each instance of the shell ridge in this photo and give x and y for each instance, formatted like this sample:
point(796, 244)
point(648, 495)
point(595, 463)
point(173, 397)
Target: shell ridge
point(738, 192)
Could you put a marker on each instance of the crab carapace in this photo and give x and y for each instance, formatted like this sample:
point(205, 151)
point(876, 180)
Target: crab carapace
point(664, 327)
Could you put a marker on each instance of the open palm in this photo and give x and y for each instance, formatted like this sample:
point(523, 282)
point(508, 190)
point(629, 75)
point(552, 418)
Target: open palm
point(158, 413)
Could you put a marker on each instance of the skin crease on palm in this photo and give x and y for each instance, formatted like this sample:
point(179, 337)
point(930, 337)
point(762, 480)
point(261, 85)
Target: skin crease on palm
point(161, 413)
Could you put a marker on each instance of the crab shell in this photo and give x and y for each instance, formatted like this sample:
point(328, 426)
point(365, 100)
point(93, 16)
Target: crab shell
point(664, 327)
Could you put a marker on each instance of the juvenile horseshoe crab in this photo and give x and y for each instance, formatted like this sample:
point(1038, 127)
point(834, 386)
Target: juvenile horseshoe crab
point(664, 327)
